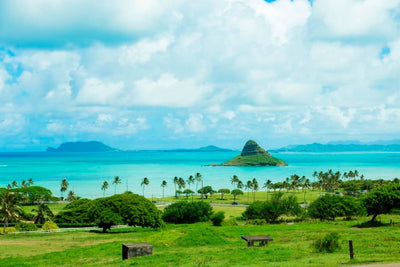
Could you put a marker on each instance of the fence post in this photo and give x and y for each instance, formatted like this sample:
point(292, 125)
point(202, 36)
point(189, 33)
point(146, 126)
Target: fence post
point(351, 251)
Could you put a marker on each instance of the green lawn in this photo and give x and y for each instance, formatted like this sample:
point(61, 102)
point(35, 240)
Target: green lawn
point(247, 198)
point(202, 244)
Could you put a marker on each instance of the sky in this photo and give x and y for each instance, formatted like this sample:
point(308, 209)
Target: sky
point(182, 74)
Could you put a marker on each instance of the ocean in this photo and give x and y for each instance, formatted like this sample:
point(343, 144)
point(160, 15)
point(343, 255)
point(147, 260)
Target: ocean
point(86, 172)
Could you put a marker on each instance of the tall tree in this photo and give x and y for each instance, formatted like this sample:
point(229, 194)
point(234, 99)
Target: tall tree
point(190, 180)
point(145, 182)
point(64, 187)
point(24, 184)
point(9, 207)
point(235, 180)
point(104, 187)
point(198, 179)
point(163, 185)
point(14, 184)
point(43, 214)
point(267, 185)
point(254, 188)
point(248, 186)
point(30, 181)
point(181, 183)
point(176, 180)
point(116, 182)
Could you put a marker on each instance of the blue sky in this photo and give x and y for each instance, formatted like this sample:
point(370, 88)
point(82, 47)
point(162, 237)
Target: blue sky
point(166, 74)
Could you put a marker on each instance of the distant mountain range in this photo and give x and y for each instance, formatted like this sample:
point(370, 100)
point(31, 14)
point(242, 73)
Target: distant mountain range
point(96, 146)
point(90, 146)
point(316, 147)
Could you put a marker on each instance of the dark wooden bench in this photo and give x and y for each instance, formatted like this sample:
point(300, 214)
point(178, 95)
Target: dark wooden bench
point(263, 239)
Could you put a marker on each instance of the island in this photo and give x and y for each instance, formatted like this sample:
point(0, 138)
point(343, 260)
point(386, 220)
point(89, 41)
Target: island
point(253, 155)
point(89, 146)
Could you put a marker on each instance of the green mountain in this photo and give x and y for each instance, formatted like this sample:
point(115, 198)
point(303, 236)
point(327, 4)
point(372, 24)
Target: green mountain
point(90, 146)
point(254, 155)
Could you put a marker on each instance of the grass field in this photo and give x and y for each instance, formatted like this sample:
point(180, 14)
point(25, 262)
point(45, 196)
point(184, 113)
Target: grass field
point(247, 198)
point(202, 244)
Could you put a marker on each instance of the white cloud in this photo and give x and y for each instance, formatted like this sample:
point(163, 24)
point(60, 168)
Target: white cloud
point(95, 91)
point(195, 123)
point(169, 92)
point(205, 69)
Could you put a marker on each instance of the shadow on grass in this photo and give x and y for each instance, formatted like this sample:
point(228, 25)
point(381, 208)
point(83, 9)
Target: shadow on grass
point(369, 224)
point(123, 230)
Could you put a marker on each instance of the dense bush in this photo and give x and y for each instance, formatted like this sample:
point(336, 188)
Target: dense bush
point(49, 226)
point(26, 227)
point(218, 218)
point(328, 243)
point(187, 212)
point(126, 208)
point(272, 209)
point(8, 230)
point(329, 207)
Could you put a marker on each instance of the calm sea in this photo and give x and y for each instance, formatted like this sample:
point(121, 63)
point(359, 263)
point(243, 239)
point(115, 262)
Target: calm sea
point(86, 172)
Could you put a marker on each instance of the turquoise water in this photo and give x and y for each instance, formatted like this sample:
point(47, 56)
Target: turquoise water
point(86, 172)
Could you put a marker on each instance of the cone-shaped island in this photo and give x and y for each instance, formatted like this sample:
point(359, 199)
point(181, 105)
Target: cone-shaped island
point(254, 155)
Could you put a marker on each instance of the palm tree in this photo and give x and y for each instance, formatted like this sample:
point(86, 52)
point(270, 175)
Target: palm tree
point(176, 180)
point(116, 182)
point(198, 179)
point(24, 184)
point(9, 187)
point(145, 182)
point(64, 187)
point(267, 185)
point(190, 180)
point(30, 181)
point(181, 183)
point(305, 185)
point(254, 188)
point(14, 184)
point(43, 214)
point(9, 207)
point(249, 186)
point(163, 185)
point(235, 180)
point(104, 187)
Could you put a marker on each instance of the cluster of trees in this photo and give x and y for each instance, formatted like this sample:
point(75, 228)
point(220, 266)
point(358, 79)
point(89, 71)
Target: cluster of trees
point(380, 200)
point(11, 211)
point(127, 208)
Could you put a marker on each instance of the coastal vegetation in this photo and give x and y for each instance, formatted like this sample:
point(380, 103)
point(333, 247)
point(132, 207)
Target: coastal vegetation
point(294, 212)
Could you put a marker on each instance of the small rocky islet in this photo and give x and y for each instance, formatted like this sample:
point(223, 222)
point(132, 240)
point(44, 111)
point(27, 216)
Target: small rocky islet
point(253, 155)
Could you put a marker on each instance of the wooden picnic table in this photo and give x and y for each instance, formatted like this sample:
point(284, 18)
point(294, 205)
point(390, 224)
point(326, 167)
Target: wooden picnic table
point(263, 239)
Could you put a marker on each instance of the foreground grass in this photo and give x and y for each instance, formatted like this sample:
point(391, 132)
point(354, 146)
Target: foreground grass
point(202, 244)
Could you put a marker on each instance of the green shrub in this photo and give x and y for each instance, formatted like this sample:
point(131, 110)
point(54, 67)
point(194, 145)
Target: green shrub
point(187, 212)
point(328, 243)
point(8, 230)
point(257, 222)
point(218, 218)
point(272, 209)
point(329, 207)
point(49, 226)
point(26, 227)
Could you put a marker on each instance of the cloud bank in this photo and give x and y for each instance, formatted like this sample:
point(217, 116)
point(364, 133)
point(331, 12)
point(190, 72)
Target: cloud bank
point(162, 74)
